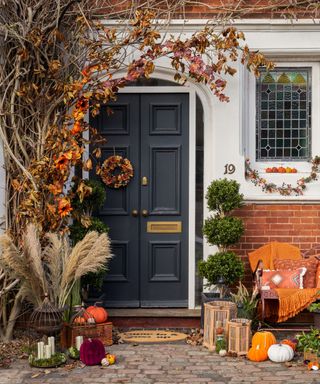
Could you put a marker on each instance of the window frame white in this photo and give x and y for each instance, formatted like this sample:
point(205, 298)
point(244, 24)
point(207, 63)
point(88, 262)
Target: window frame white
point(303, 167)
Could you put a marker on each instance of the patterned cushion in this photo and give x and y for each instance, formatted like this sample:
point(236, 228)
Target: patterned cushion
point(309, 280)
point(283, 279)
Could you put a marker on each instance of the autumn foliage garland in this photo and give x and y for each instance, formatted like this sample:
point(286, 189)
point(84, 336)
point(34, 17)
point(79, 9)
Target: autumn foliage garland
point(284, 189)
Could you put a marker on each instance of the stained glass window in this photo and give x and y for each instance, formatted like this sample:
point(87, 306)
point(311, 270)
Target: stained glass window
point(283, 126)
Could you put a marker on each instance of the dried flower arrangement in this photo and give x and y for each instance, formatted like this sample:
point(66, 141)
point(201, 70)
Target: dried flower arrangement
point(55, 267)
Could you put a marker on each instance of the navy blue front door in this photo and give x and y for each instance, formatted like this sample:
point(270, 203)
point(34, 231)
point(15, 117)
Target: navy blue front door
point(148, 219)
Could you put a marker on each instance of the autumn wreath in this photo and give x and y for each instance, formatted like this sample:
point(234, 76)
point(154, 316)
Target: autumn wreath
point(116, 171)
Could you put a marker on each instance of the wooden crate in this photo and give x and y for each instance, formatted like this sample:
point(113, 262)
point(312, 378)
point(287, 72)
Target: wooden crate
point(102, 331)
point(311, 356)
point(216, 311)
point(239, 336)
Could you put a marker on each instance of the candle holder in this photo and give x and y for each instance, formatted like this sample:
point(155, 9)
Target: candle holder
point(52, 362)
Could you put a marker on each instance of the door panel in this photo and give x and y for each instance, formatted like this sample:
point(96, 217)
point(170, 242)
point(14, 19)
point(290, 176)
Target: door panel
point(149, 268)
point(164, 256)
point(121, 131)
point(165, 180)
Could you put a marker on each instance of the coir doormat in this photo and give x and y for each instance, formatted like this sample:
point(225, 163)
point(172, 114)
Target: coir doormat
point(152, 336)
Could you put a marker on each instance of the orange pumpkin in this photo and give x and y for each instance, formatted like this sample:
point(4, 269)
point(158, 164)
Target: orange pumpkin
point(263, 339)
point(79, 320)
point(257, 354)
point(291, 343)
point(99, 314)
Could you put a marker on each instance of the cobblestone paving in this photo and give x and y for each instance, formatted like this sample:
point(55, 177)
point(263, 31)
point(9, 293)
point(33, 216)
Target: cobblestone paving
point(165, 363)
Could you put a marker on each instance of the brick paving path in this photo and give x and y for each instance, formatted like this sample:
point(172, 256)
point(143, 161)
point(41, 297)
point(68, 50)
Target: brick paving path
point(165, 363)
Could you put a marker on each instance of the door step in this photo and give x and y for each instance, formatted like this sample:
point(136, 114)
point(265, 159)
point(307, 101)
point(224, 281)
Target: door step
point(155, 317)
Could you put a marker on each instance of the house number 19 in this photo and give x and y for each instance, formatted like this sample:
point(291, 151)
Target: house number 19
point(229, 169)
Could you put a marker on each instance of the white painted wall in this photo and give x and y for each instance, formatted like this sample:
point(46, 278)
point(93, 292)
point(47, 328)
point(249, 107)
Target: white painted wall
point(233, 123)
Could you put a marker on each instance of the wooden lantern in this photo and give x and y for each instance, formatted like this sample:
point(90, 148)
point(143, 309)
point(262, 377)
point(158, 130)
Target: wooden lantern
point(239, 336)
point(217, 312)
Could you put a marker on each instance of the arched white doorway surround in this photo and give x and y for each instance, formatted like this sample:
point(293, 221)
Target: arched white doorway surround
point(207, 101)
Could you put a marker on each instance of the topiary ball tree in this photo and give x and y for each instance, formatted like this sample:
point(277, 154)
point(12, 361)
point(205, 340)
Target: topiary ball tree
point(226, 265)
point(223, 230)
point(223, 196)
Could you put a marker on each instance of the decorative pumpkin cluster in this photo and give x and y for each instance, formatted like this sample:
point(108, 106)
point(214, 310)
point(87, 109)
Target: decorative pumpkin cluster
point(91, 315)
point(285, 189)
point(281, 170)
point(92, 353)
point(264, 346)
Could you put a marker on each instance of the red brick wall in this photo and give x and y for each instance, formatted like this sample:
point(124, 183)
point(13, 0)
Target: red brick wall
point(298, 224)
point(206, 9)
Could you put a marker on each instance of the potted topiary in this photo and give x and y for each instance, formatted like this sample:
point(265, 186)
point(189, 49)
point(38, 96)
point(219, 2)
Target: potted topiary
point(224, 268)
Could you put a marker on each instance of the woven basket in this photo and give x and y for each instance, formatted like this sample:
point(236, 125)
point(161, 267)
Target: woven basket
point(217, 312)
point(102, 331)
point(239, 336)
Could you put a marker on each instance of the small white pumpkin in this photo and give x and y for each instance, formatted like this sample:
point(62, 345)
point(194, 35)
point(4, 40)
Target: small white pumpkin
point(280, 353)
point(105, 362)
point(222, 352)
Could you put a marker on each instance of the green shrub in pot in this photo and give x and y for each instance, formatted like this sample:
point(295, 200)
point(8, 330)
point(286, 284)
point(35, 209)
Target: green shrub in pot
point(222, 230)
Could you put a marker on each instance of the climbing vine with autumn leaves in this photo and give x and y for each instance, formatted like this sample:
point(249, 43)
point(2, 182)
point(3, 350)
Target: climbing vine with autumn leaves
point(54, 74)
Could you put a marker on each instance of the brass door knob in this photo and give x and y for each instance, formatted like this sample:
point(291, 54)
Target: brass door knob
point(134, 213)
point(145, 213)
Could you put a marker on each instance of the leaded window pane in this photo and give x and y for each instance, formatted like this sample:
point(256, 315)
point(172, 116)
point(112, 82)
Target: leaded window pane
point(283, 126)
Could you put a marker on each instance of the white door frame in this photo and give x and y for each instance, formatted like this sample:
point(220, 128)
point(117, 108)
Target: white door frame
point(206, 98)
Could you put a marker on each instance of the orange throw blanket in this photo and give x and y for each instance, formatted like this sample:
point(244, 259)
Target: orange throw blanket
point(272, 251)
point(291, 302)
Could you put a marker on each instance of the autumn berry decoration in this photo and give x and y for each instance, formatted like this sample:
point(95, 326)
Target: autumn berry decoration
point(99, 314)
point(92, 352)
point(258, 354)
point(116, 172)
point(280, 353)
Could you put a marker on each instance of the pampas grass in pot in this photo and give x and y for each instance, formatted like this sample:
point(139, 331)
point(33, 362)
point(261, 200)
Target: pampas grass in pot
point(52, 266)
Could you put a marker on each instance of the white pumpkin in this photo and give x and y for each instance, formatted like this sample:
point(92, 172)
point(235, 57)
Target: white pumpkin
point(222, 352)
point(105, 362)
point(279, 353)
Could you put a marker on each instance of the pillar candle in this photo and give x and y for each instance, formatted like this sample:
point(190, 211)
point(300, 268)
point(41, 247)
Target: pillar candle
point(40, 349)
point(47, 351)
point(79, 341)
point(51, 342)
